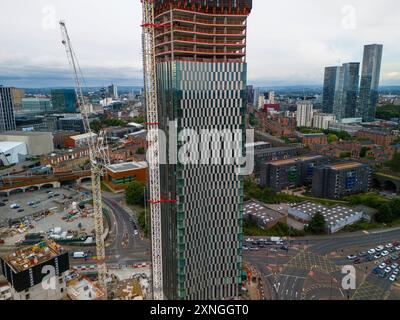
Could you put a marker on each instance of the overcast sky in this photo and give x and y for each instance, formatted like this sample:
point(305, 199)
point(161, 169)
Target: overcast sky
point(289, 41)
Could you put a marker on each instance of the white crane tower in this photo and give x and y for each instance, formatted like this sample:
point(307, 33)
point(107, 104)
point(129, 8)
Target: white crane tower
point(99, 157)
point(150, 93)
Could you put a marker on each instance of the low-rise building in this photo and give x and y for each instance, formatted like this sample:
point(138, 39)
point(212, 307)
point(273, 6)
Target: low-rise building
point(83, 289)
point(334, 181)
point(79, 141)
point(323, 120)
point(292, 172)
point(118, 176)
point(37, 143)
point(66, 160)
point(12, 152)
point(265, 217)
point(381, 137)
point(26, 268)
point(313, 139)
point(336, 218)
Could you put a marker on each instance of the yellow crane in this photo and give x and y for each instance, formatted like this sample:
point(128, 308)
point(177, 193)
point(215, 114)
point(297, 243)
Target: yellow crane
point(99, 157)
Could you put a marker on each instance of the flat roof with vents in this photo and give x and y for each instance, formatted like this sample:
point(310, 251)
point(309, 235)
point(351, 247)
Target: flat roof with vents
point(257, 210)
point(126, 166)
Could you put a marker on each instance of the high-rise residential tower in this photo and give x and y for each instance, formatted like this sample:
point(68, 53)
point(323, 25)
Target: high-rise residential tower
point(341, 90)
point(304, 114)
point(371, 70)
point(201, 81)
point(7, 116)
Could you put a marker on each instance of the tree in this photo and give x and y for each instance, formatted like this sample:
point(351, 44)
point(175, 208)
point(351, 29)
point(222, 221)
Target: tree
point(384, 214)
point(395, 207)
point(332, 137)
point(96, 125)
point(134, 194)
point(394, 164)
point(140, 150)
point(316, 224)
point(363, 152)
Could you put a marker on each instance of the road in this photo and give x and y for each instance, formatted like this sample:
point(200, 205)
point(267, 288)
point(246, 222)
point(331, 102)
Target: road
point(123, 247)
point(312, 267)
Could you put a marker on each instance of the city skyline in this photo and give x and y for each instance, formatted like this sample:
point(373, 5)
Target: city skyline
point(292, 56)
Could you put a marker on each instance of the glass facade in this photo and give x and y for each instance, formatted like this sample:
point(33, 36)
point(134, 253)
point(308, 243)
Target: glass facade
point(370, 75)
point(7, 117)
point(35, 106)
point(329, 89)
point(64, 101)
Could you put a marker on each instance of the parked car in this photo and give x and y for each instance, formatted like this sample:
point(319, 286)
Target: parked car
point(351, 257)
point(362, 254)
point(2, 204)
point(388, 269)
point(382, 265)
point(371, 251)
point(385, 253)
point(357, 261)
point(378, 256)
point(379, 248)
point(392, 278)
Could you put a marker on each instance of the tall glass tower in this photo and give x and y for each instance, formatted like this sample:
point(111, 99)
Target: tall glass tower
point(341, 90)
point(7, 116)
point(371, 70)
point(201, 82)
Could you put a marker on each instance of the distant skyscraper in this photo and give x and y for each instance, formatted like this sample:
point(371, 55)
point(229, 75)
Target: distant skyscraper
point(350, 88)
point(304, 114)
point(201, 82)
point(256, 96)
point(64, 101)
point(7, 117)
point(341, 89)
point(329, 89)
point(113, 91)
point(371, 70)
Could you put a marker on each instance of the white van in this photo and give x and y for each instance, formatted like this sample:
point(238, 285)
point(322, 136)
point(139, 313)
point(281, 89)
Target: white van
point(79, 255)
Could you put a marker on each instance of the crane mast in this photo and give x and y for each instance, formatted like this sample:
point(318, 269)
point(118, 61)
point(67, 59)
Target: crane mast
point(150, 93)
point(99, 158)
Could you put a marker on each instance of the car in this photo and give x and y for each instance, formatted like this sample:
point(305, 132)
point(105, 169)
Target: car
point(352, 257)
point(357, 261)
point(5, 200)
point(15, 206)
point(379, 248)
point(377, 256)
point(389, 245)
point(253, 249)
point(273, 250)
point(135, 232)
point(398, 248)
point(245, 248)
point(57, 195)
point(261, 246)
point(371, 251)
point(388, 269)
point(382, 265)
point(385, 253)
point(396, 272)
point(21, 210)
point(2, 204)
point(284, 248)
point(394, 266)
point(369, 258)
point(392, 278)
point(30, 203)
point(362, 254)
point(376, 270)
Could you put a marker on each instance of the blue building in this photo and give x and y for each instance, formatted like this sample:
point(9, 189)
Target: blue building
point(64, 101)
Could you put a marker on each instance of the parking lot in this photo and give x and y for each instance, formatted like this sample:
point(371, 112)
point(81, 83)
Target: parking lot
point(42, 211)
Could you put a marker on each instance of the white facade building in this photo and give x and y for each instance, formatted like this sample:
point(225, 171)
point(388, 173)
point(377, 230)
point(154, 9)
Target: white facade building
point(304, 114)
point(323, 120)
point(12, 152)
point(336, 217)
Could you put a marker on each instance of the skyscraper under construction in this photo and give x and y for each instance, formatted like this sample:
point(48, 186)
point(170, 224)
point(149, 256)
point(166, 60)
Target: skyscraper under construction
point(200, 48)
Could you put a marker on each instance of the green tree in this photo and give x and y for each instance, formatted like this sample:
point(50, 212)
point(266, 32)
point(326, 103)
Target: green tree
point(363, 152)
point(395, 207)
point(134, 194)
point(140, 150)
point(96, 125)
point(394, 164)
point(384, 214)
point(332, 137)
point(316, 224)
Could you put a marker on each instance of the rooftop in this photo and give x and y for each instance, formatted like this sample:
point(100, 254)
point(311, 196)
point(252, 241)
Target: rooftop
point(294, 160)
point(260, 211)
point(26, 258)
point(24, 133)
point(83, 289)
point(83, 136)
point(127, 166)
point(5, 146)
point(346, 165)
point(332, 215)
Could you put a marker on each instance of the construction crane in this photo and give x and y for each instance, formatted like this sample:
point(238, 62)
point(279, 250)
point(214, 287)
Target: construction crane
point(150, 94)
point(99, 157)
